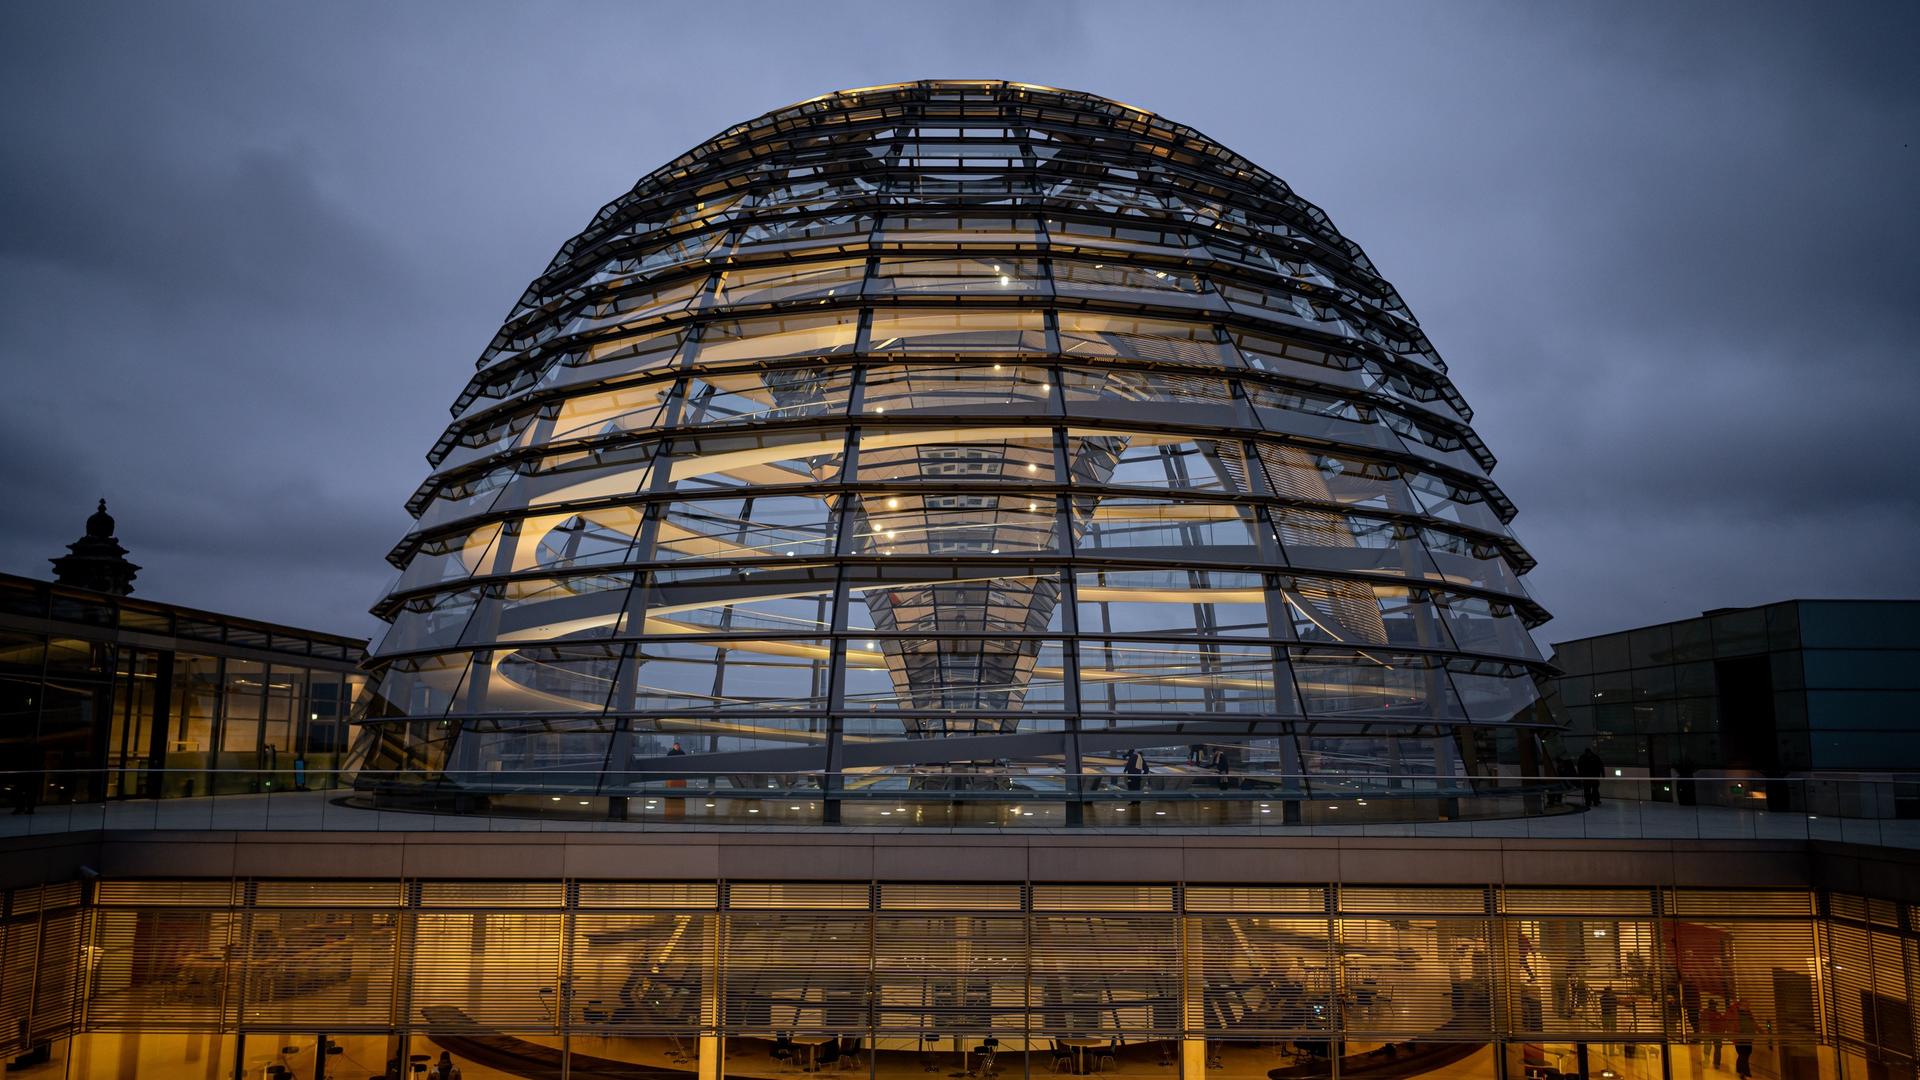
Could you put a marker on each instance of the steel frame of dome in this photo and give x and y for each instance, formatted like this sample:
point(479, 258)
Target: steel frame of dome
point(962, 437)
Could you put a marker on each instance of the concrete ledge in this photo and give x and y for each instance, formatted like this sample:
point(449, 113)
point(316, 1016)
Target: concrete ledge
point(1080, 858)
point(1886, 873)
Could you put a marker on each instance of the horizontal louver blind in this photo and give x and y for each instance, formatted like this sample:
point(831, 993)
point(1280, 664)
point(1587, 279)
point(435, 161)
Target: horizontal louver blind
point(37, 898)
point(327, 894)
point(160, 967)
point(781, 896)
point(1260, 975)
point(1737, 902)
point(803, 972)
point(1850, 959)
point(316, 967)
point(1256, 898)
point(649, 894)
point(485, 971)
point(950, 897)
point(1894, 1030)
point(19, 956)
point(1105, 974)
point(1846, 906)
point(1387, 901)
point(1414, 977)
point(1883, 913)
point(1634, 903)
point(204, 894)
point(1773, 967)
point(492, 894)
point(1912, 947)
point(639, 973)
point(1103, 898)
point(944, 973)
point(1583, 976)
point(56, 1002)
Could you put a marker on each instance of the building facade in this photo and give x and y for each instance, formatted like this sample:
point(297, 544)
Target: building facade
point(1801, 687)
point(948, 578)
point(696, 956)
point(109, 697)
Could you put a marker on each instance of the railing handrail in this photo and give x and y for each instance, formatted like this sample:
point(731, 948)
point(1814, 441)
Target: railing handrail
point(1199, 772)
point(1868, 811)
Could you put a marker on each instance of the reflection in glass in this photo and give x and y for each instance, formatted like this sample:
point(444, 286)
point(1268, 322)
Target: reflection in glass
point(896, 389)
point(764, 526)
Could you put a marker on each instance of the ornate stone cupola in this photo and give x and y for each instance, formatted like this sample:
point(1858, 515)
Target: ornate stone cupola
point(96, 561)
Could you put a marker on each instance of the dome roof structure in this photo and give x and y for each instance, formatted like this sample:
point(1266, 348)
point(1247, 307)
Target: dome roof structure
point(970, 438)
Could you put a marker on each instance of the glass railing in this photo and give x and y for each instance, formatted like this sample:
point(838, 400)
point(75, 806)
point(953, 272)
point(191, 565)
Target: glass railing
point(1875, 812)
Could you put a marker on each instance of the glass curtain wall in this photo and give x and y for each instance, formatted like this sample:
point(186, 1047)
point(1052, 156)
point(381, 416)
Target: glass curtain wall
point(897, 980)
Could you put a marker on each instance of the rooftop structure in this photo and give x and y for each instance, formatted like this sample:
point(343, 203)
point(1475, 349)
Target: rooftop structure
point(958, 437)
point(954, 578)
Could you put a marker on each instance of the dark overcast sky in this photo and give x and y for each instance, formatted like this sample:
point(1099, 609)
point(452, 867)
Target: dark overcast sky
point(249, 253)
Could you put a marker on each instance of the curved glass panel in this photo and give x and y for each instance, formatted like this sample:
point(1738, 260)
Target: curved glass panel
point(958, 455)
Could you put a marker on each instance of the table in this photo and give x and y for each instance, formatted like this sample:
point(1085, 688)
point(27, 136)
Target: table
point(1080, 1048)
point(1626, 995)
point(813, 1043)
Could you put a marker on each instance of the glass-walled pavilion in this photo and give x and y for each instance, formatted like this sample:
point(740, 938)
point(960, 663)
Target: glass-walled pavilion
point(105, 697)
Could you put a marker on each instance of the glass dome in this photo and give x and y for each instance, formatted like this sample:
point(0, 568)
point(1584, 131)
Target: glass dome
point(963, 437)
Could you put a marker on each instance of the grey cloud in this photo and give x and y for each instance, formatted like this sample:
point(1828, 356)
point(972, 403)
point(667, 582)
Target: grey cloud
point(249, 252)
